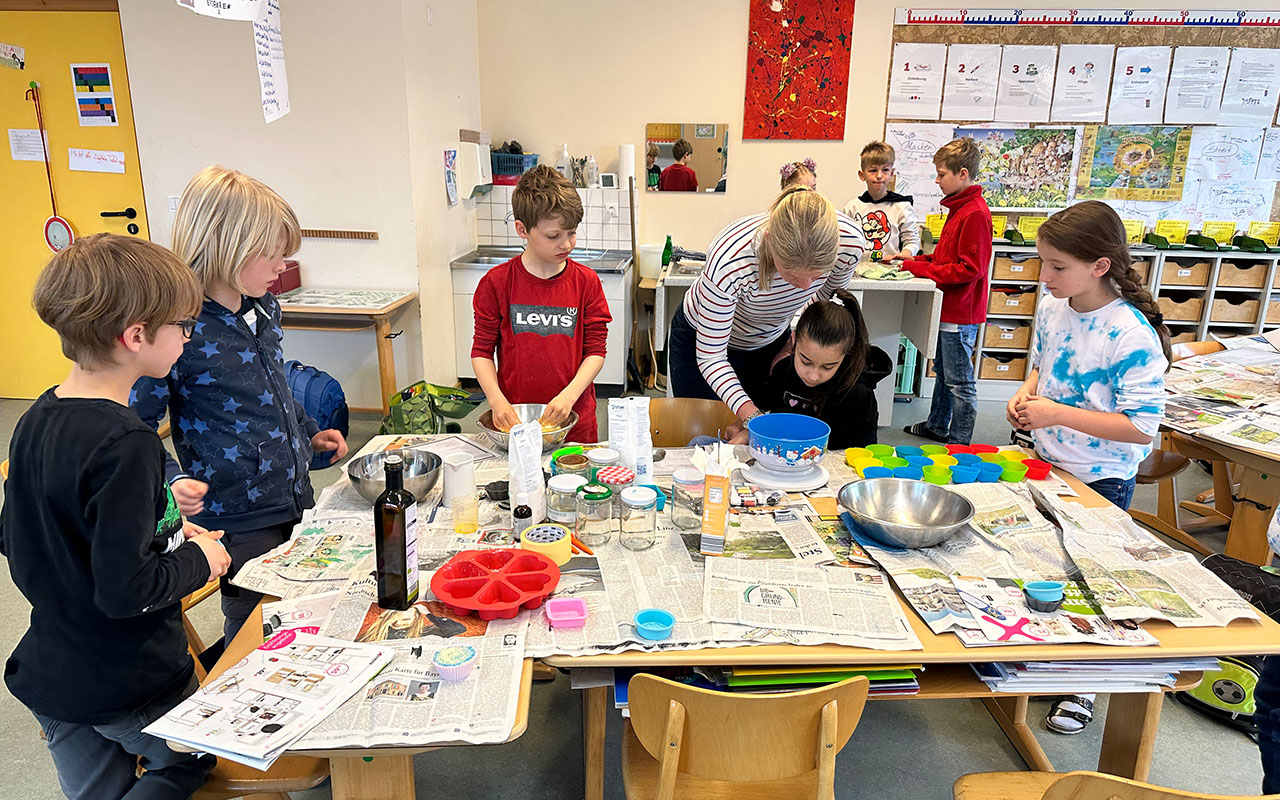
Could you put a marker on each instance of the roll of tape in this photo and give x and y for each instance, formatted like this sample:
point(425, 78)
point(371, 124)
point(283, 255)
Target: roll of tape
point(551, 540)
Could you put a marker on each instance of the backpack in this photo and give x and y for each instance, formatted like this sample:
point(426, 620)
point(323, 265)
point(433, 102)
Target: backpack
point(323, 399)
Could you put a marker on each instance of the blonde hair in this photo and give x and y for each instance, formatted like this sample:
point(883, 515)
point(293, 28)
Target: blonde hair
point(226, 219)
point(877, 154)
point(101, 284)
point(802, 231)
point(543, 193)
point(959, 154)
point(652, 150)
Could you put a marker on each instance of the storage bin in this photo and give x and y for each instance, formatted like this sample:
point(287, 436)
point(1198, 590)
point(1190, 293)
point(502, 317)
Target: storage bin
point(1187, 310)
point(1143, 269)
point(1021, 303)
point(1181, 338)
point(1273, 311)
point(1248, 275)
point(1010, 335)
point(1231, 309)
point(1016, 268)
point(905, 380)
point(1187, 273)
point(1003, 368)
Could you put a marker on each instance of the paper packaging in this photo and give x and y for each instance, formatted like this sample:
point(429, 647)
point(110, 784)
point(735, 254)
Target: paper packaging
point(524, 461)
point(629, 435)
point(626, 164)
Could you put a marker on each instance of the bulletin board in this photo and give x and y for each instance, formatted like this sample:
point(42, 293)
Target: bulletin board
point(1049, 27)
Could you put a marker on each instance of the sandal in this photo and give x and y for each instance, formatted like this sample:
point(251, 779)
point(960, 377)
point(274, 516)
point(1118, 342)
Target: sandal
point(1064, 719)
point(923, 430)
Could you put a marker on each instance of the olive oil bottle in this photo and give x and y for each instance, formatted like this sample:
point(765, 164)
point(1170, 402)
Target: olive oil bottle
point(395, 526)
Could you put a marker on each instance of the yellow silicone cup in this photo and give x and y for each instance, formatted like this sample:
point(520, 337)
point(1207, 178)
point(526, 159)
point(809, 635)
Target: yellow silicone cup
point(852, 454)
point(862, 463)
point(944, 461)
point(992, 458)
point(1014, 455)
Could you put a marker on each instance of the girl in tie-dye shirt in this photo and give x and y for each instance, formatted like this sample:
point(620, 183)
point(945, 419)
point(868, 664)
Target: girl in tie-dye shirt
point(1094, 397)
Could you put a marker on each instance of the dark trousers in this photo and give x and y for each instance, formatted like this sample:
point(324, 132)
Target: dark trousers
point(237, 603)
point(750, 366)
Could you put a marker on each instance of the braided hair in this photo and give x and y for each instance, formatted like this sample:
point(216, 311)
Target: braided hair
point(838, 322)
point(1092, 230)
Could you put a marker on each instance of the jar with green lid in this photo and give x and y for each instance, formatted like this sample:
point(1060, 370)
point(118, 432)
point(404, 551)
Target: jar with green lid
point(562, 498)
point(594, 524)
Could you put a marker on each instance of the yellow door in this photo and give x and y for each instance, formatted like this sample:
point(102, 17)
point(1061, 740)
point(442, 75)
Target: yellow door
point(30, 358)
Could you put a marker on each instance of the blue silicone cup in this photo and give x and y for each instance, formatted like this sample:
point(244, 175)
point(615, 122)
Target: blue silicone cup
point(919, 461)
point(963, 474)
point(1044, 591)
point(910, 473)
point(654, 623)
point(879, 472)
point(967, 459)
point(989, 473)
point(908, 450)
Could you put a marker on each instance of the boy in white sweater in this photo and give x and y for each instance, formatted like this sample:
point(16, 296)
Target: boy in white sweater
point(887, 218)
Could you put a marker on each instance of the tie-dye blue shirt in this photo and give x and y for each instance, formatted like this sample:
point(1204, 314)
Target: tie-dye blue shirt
point(1106, 360)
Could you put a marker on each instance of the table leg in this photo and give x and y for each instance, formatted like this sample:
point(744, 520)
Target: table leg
point(1010, 713)
point(386, 361)
point(594, 701)
point(1129, 738)
point(1247, 537)
point(379, 777)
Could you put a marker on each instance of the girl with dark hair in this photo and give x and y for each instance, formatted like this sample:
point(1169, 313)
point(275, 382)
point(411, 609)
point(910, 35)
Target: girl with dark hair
point(832, 372)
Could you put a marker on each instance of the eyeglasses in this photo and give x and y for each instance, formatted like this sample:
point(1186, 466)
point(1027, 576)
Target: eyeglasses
point(188, 326)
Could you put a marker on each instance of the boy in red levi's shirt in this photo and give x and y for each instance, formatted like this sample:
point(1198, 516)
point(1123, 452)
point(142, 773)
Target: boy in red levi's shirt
point(544, 315)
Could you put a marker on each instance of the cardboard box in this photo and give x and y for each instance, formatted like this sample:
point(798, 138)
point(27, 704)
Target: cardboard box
point(1231, 309)
point(1143, 269)
point(1020, 268)
point(1273, 311)
point(1003, 368)
point(1185, 274)
point(1245, 275)
point(1021, 303)
point(1188, 310)
point(1011, 335)
point(1182, 338)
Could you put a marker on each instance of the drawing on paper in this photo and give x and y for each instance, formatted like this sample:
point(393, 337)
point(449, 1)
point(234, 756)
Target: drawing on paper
point(1133, 162)
point(1027, 168)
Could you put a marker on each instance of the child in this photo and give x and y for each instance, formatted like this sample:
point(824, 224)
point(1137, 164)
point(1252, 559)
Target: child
point(959, 266)
point(679, 177)
point(888, 219)
point(93, 535)
point(651, 169)
point(243, 441)
point(800, 173)
point(544, 314)
point(832, 372)
point(1095, 396)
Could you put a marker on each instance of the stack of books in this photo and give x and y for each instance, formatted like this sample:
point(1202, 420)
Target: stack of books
point(1085, 677)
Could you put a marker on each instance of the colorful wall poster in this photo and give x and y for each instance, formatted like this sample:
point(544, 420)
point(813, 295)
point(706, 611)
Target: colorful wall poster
point(1133, 162)
point(12, 56)
point(973, 72)
point(797, 69)
point(95, 99)
point(1025, 89)
point(915, 80)
point(1220, 153)
point(1138, 86)
point(1253, 84)
point(1083, 80)
point(1269, 158)
point(1194, 96)
point(1025, 169)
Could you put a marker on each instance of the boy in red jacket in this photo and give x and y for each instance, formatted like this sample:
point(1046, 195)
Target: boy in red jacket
point(959, 266)
point(544, 315)
point(679, 177)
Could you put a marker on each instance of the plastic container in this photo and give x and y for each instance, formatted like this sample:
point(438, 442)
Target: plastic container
point(919, 461)
point(594, 525)
point(566, 612)
point(601, 457)
point(967, 459)
point(650, 263)
point(937, 473)
point(944, 461)
point(512, 163)
point(908, 473)
point(788, 443)
point(893, 462)
point(933, 450)
point(456, 662)
point(880, 450)
point(952, 449)
point(639, 518)
point(1037, 470)
point(908, 450)
point(989, 473)
point(494, 584)
point(687, 487)
point(963, 474)
point(877, 472)
point(466, 514)
point(852, 454)
point(654, 623)
point(979, 449)
point(1013, 472)
point(562, 498)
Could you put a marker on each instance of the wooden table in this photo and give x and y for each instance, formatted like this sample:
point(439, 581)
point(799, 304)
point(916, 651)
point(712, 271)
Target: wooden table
point(350, 310)
point(1253, 507)
point(374, 773)
point(1128, 739)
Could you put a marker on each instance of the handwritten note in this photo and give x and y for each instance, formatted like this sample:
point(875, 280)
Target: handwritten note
point(1241, 201)
point(1219, 153)
point(268, 43)
point(82, 160)
point(1174, 230)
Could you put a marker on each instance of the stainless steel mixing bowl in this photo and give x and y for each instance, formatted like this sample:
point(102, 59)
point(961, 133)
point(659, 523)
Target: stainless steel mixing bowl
point(905, 513)
point(528, 412)
point(421, 471)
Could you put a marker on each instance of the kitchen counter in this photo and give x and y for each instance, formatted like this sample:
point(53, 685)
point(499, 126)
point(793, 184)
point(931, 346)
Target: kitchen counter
point(605, 262)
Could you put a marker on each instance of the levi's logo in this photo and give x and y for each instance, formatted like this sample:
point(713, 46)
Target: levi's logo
point(544, 320)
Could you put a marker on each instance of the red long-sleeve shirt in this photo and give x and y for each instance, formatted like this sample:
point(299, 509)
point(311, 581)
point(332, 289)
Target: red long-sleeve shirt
point(959, 262)
point(678, 178)
point(542, 329)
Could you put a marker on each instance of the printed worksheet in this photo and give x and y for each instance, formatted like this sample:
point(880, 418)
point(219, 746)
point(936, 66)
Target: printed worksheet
point(1253, 84)
point(1138, 86)
point(1195, 85)
point(1025, 90)
point(973, 72)
point(1083, 79)
point(915, 81)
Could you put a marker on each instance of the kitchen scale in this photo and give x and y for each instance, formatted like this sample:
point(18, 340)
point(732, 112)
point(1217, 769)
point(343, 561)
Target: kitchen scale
point(758, 474)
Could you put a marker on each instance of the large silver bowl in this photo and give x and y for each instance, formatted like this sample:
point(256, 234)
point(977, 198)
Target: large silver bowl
point(421, 471)
point(528, 412)
point(904, 513)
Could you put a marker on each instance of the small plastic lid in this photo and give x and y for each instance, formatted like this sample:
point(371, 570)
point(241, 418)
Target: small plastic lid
point(595, 491)
point(602, 455)
point(688, 476)
point(565, 483)
point(639, 496)
point(522, 498)
point(393, 461)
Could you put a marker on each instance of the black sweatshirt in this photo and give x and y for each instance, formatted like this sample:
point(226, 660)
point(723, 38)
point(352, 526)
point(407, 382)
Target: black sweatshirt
point(852, 414)
point(94, 542)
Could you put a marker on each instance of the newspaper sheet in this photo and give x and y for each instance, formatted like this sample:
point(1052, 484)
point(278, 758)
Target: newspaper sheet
point(324, 553)
point(408, 703)
point(775, 532)
point(1190, 414)
point(1240, 386)
point(1012, 523)
point(258, 708)
point(1003, 616)
point(835, 535)
point(1252, 432)
point(304, 614)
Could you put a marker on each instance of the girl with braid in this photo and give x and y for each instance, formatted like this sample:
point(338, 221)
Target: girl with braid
point(1094, 398)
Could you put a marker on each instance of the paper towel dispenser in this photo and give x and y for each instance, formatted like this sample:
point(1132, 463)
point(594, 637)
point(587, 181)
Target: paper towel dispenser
point(474, 167)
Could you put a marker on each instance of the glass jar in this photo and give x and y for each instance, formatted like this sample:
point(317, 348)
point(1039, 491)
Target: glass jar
point(594, 523)
point(574, 464)
point(562, 498)
point(601, 457)
point(686, 502)
point(639, 520)
point(616, 478)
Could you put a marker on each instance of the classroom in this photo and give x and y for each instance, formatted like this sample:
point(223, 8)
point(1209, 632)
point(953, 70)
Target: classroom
point(504, 440)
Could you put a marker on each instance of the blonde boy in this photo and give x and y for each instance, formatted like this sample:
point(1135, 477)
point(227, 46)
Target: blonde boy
point(888, 219)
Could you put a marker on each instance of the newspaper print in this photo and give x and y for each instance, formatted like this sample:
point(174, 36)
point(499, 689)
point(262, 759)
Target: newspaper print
point(1003, 616)
point(323, 555)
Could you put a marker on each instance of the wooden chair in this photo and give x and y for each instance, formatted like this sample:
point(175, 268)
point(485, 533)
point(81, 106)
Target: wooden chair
point(683, 741)
point(195, 644)
point(1072, 786)
point(287, 774)
point(674, 421)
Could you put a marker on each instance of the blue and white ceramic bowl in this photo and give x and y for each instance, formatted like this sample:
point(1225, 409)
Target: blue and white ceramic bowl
point(788, 442)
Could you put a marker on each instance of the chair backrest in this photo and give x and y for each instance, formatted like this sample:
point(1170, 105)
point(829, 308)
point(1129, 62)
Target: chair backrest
point(1189, 349)
point(745, 737)
point(673, 421)
point(1097, 786)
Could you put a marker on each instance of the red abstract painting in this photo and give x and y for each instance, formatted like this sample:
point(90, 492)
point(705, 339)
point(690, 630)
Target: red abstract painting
point(797, 69)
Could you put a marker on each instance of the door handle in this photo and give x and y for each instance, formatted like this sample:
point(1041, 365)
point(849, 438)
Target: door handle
point(128, 213)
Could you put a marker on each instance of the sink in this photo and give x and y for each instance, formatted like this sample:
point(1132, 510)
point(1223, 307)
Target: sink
point(597, 260)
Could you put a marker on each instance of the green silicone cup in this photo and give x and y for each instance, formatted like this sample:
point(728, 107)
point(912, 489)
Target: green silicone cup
point(933, 450)
point(1013, 472)
point(880, 450)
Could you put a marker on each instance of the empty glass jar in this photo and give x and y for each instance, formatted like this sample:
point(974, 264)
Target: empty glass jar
point(639, 521)
point(686, 501)
point(594, 525)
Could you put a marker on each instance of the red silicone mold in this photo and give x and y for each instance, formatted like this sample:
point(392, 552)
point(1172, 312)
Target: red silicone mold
point(979, 449)
point(958, 448)
point(495, 584)
point(1037, 470)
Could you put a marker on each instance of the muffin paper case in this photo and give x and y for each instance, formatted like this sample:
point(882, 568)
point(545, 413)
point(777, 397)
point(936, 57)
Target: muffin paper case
point(456, 662)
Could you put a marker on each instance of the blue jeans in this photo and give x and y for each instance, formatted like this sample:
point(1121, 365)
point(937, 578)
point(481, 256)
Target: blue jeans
point(955, 394)
point(101, 761)
point(1266, 699)
point(1115, 491)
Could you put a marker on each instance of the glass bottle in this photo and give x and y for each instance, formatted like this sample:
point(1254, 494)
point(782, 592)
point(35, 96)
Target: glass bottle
point(666, 252)
point(521, 515)
point(395, 526)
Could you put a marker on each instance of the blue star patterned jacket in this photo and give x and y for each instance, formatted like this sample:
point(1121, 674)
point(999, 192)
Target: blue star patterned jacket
point(236, 425)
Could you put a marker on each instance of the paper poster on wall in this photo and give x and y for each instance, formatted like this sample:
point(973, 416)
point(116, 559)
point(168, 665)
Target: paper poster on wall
point(224, 9)
point(12, 56)
point(451, 176)
point(1241, 201)
point(1082, 81)
point(1194, 96)
point(1253, 84)
point(1153, 211)
point(1138, 85)
point(268, 44)
point(24, 144)
point(1027, 169)
point(94, 97)
point(1133, 162)
point(1025, 88)
point(1269, 158)
point(973, 72)
point(914, 144)
point(1219, 153)
point(915, 80)
point(81, 160)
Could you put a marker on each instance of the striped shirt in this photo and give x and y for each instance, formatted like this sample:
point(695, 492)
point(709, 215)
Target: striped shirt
point(728, 307)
